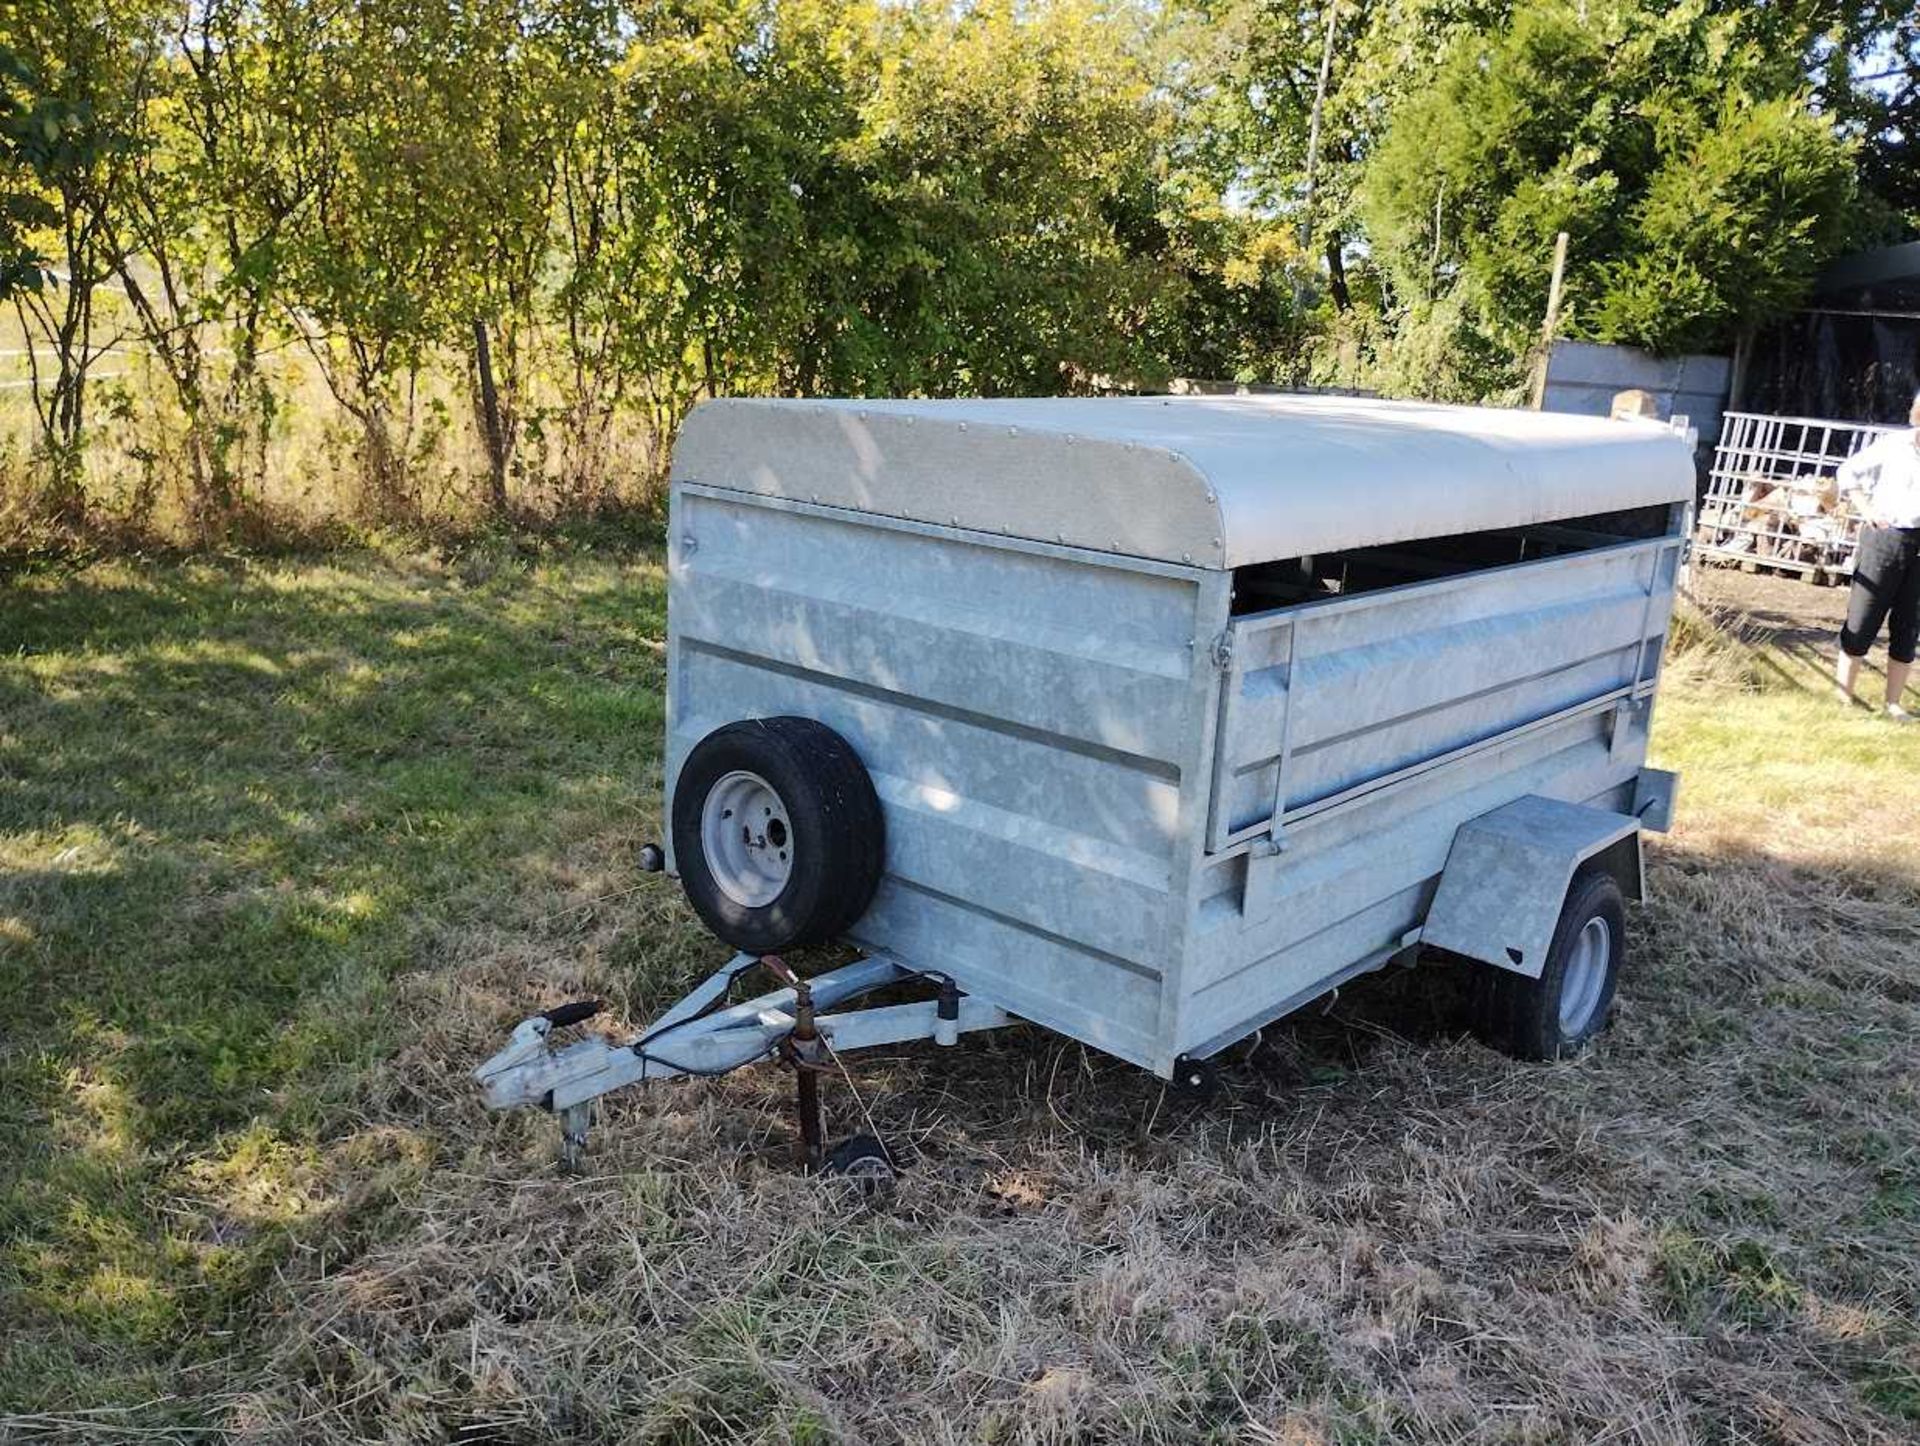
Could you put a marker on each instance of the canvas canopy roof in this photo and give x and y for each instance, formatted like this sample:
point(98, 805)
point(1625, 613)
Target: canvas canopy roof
point(1219, 482)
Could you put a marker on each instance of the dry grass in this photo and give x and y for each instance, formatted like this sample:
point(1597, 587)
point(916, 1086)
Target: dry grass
point(1707, 1231)
point(295, 458)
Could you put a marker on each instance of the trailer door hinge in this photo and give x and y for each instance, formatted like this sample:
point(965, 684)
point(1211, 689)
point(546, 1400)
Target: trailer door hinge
point(1223, 650)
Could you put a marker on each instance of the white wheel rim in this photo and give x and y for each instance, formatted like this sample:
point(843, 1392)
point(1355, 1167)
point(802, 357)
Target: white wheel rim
point(747, 839)
point(1585, 978)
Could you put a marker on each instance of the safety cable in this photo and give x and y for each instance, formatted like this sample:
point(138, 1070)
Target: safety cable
point(853, 1089)
point(695, 1071)
point(646, 1056)
point(720, 999)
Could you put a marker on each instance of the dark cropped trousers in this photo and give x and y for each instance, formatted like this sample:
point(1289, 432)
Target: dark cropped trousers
point(1886, 590)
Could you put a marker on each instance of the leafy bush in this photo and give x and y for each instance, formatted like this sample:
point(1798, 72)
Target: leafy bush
point(1671, 143)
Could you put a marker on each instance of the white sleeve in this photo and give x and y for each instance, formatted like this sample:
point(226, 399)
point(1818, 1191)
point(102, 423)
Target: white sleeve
point(1860, 471)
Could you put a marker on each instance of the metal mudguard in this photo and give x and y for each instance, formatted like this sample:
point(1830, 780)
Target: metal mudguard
point(1506, 878)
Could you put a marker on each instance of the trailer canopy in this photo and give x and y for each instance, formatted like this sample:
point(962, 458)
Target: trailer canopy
point(1216, 482)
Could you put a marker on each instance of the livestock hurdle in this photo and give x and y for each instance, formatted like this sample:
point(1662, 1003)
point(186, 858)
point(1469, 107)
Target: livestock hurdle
point(1772, 497)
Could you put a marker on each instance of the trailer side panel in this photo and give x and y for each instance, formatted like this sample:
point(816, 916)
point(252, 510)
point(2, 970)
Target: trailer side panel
point(1032, 720)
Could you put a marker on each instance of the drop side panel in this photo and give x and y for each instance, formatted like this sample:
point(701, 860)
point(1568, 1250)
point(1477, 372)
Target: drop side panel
point(1358, 734)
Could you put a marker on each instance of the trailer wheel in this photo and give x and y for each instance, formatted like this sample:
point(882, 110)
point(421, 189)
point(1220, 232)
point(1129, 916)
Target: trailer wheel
point(1559, 1013)
point(777, 833)
point(865, 1162)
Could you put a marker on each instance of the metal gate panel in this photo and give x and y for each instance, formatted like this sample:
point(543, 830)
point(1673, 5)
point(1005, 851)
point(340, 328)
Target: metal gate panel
point(1770, 493)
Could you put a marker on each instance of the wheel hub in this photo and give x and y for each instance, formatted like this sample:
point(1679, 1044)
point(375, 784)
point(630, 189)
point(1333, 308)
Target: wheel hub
point(1585, 979)
point(747, 839)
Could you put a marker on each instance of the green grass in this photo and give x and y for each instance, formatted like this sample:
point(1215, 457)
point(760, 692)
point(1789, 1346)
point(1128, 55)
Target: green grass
point(284, 846)
point(237, 804)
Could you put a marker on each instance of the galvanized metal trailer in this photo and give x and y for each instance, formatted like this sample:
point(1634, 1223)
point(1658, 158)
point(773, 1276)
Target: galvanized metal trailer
point(1148, 720)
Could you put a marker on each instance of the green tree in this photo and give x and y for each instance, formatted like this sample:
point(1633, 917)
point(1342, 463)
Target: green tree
point(1867, 78)
point(858, 199)
point(1731, 232)
point(744, 107)
point(1008, 148)
point(212, 189)
point(1669, 142)
point(378, 274)
point(89, 62)
point(522, 100)
point(1260, 205)
point(31, 127)
point(623, 331)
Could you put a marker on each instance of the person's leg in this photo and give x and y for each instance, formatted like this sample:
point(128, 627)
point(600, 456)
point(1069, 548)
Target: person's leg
point(1867, 605)
point(1903, 622)
point(1846, 675)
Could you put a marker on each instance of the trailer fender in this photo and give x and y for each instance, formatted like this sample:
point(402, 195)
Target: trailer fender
point(1506, 877)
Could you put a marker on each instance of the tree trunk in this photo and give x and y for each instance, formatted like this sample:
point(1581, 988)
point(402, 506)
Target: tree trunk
point(1313, 143)
point(1337, 274)
point(381, 487)
point(490, 425)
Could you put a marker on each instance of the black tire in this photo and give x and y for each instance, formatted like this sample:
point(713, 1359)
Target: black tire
point(838, 837)
point(862, 1157)
point(1522, 1016)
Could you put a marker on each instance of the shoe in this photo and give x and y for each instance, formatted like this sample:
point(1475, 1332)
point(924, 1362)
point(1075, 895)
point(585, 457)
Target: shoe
point(1897, 714)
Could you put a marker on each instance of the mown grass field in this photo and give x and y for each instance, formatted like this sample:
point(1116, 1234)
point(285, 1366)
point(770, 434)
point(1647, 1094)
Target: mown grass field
point(285, 846)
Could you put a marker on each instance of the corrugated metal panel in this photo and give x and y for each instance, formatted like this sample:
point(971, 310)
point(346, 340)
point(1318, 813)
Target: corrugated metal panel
point(1401, 715)
point(1355, 688)
point(1353, 885)
point(1027, 720)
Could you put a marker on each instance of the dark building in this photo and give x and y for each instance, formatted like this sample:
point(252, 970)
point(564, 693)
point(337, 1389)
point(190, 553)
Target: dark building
point(1851, 354)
